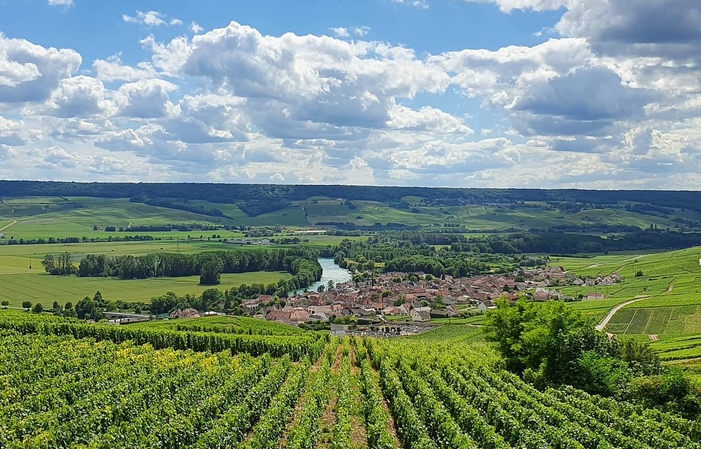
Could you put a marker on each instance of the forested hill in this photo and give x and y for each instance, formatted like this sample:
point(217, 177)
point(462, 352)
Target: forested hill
point(227, 193)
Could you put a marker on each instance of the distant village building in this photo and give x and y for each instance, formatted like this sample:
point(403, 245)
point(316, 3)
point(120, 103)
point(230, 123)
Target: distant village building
point(338, 330)
point(185, 313)
point(483, 306)
point(420, 314)
point(595, 295)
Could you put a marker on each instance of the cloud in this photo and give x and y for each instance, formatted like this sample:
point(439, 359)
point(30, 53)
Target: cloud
point(145, 99)
point(112, 69)
point(151, 19)
point(29, 72)
point(422, 4)
point(61, 3)
point(340, 32)
point(313, 79)
point(604, 103)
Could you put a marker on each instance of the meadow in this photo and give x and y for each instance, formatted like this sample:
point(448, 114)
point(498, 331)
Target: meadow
point(40, 287)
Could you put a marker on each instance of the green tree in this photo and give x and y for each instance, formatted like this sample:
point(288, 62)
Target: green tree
point(211, 268)
point(49, 263)
point(5, 303)
point(38, 308)
point(27, 304)
point(552, 344)
point(56, 306)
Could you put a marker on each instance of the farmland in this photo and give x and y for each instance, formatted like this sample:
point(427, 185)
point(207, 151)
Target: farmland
point(40, 287)
point(165, 388)
point(61, 217)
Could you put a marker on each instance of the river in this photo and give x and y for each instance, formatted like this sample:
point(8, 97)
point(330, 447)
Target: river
point(332, 272)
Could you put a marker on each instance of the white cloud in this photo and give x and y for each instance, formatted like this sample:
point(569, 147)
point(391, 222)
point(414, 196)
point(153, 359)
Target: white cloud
point(340, 32)
point(604, 105)
point(422, 4)
point(112, 69)
point(61, 2)
point(195, 28)
point(29, 72)
point(151, 19)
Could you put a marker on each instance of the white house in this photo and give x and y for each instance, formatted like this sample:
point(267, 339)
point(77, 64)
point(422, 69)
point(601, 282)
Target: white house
point(420, 315)
point(483, 306)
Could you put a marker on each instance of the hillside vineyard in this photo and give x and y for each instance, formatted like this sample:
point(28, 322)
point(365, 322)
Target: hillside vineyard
point(64, 386)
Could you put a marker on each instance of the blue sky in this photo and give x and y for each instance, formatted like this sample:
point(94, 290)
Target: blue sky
point(483, 93)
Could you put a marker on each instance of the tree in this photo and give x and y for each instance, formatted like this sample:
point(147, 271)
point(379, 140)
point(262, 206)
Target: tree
point(211, 268)
point(38, 308)
point(49, 263)
point(69, 305)
point(5, 303)
point(27, 305)
point(552, 344)
point(321, 288)
point(330, 284)
point(56, 306)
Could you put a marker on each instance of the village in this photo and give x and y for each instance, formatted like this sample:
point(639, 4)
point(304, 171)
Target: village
point(400, 303)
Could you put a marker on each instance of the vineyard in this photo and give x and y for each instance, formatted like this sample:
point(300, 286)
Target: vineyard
point(70, 384)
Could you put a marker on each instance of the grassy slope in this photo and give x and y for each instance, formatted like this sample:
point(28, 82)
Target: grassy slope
point(672, 312)
point(61, 217)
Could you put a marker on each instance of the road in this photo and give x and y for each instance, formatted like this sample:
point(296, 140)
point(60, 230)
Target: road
point(8, 226)
point(605, 321)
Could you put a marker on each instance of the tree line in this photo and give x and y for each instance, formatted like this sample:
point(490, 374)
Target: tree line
point(300, 262)
point(233, 193)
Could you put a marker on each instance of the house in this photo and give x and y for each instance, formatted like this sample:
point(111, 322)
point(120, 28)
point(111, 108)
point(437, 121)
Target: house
point(483, 306)
point(186, 313)
point(279, 315)
point(319, 316)
point(541, 295)
point(251, 305)
point(420, 315)
point(338, 330)
point(595, 295)
point(299, 315)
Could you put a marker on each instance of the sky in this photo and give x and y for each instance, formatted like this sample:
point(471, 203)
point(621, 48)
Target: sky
point(601, 94)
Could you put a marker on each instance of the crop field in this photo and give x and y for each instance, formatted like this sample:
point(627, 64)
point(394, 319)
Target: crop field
point(81, 385)
point(663, 280)
point(222, 324)
point(40, 287)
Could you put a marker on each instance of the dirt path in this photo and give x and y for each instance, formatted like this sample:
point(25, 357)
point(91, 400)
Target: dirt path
point(630, 260)
point(671, 286)
point(359, 432)
point(328, 419)
point(605, 321)
point(14, 222)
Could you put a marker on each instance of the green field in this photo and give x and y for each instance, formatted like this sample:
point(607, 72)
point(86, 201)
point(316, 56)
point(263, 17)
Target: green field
point(39, 287)
point(60, 217)
point(669, 279)
point(669, 313)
